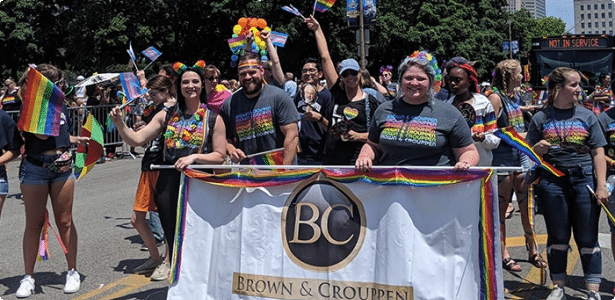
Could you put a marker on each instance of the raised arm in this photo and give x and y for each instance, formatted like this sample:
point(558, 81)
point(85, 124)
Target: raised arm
point(144, 135)
point(277, 72)
point(325, 57)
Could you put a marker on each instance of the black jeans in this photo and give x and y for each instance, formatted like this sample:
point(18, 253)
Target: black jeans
point(165, 197)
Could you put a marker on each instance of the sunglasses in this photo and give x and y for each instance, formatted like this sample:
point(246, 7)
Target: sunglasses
point(349, 72)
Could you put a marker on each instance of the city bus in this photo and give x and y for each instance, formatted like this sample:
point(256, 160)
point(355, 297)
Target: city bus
point(592, 55)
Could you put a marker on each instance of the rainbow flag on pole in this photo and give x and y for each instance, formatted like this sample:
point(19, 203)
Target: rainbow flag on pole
point(511, 137)
point(86, 157)
point(323, 5)
point(42, 105)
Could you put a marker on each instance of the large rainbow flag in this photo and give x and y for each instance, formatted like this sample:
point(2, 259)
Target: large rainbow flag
point(511, 137)
point(42, 105)
point(86, 157)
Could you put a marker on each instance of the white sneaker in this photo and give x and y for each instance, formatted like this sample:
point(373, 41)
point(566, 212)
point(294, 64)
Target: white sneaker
point(591, 295)
point(557, 293)
point(73, 282)
point(26, 287)
point(162, 272)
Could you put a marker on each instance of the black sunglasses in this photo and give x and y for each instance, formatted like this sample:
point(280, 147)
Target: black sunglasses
point(349, 72)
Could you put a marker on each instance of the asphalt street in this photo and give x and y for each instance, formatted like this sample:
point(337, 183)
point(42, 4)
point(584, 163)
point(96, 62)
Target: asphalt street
point(109, 247)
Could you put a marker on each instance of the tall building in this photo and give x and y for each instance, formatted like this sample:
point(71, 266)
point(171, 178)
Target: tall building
point(537, 8)
point(593, 16)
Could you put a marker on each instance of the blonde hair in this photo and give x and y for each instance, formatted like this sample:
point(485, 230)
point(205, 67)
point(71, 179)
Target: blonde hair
point(557, 78)
point(503, 74)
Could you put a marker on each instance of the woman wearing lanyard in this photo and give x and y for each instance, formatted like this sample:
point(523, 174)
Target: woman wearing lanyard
point(569, 137)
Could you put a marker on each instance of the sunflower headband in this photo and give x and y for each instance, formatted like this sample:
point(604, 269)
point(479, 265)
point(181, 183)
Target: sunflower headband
point(198, 67)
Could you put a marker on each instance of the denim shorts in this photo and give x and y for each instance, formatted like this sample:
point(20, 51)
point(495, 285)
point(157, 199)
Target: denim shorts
point(4, 182)
point(32, 174)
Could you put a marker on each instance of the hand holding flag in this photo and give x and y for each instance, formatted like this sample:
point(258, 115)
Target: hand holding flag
point(278, 38)
point(42, 105)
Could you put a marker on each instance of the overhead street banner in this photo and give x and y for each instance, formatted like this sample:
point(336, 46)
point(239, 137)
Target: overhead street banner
point(338, 234)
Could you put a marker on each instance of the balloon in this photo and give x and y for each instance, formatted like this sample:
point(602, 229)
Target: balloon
point(261, 23)
point(255, 31)
point(237, 29)
point(233, 64)
point(267, 29)
point(242, 22)
point(263, 52)
point(262, 45)
point(257, 40)
point(234, 35)
point(234, 57)
point(252, 22)
point(264, 58)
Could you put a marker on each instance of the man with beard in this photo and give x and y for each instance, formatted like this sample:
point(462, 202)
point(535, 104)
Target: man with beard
point(313, 123)
point(260, 117)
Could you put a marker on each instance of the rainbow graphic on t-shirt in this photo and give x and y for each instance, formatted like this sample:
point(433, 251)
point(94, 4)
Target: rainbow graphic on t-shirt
point(611, 133)
point(8, 100)
point(252, 124)
point(418, 130)
point(350, 113)
point(574, 131)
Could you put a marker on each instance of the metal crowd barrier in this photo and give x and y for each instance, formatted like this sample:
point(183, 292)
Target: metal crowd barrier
point(78, 115)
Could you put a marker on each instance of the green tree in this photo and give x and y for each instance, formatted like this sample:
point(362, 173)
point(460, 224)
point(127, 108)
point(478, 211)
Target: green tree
point(549, 26)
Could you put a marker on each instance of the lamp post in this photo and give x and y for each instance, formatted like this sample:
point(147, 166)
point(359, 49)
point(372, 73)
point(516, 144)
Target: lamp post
point(510, 37)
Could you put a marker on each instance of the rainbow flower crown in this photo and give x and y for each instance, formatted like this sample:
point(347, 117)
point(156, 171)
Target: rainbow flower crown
point(433, 63)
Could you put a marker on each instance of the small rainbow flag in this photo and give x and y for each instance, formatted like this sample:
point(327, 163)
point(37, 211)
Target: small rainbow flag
point(323, 5)
point(86, 157)
point(268, 158)
point(237, 43)
point(511, 137)
point(42, 105)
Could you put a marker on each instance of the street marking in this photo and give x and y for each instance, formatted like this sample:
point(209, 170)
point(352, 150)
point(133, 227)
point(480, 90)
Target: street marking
point(533, 276)
point(127, 284)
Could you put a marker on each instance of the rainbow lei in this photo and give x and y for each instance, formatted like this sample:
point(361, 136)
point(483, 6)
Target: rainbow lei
point(176, 135)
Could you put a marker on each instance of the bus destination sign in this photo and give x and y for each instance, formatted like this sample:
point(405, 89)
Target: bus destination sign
point(574, 42)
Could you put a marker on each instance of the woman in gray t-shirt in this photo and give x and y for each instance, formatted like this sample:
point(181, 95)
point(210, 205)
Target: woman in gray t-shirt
point(415, 129)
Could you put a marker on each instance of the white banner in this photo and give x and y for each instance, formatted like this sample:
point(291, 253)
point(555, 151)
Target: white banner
point(421, 237)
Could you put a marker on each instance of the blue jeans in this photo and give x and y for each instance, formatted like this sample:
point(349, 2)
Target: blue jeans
point(567, 204)
point(155, 226)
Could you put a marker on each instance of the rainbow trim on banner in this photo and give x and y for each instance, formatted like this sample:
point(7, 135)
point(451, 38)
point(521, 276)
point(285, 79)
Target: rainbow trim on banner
point(511, 137)
point(42, 105)
point(392, 176)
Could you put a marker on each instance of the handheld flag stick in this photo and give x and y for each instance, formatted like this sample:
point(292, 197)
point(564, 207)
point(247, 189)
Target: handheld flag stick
point(606, 210)
point(150, 63)
point(314, 8)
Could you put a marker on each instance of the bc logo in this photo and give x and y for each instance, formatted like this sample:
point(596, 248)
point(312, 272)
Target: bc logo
point(323, 225)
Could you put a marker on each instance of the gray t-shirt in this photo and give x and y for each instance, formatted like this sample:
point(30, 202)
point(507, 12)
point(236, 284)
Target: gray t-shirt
point(419, 135)
point(253, 124)
point(571, 132)
point(607, 122)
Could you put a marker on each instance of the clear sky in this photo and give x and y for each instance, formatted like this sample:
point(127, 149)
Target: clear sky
point(563, 9)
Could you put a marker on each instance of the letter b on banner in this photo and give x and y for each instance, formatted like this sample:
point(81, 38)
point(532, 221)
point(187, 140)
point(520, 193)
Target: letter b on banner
point(323, 225)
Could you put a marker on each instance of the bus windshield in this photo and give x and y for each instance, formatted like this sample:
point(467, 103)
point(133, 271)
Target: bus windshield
point(591, 63)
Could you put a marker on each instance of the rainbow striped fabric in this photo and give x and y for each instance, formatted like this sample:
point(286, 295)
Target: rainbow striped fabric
point(85, 158)
point(511, 137)
point(323, 5)
point(42, 105)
